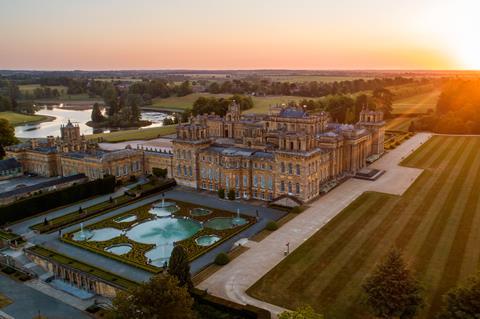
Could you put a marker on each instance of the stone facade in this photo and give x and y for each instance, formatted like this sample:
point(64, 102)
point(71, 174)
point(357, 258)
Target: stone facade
point(288, 152)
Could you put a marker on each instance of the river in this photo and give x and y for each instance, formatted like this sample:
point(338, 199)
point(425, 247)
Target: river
point(80, 117)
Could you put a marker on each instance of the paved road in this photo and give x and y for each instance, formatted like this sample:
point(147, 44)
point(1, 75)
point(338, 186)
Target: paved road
point(28, 302)
point(232, 281)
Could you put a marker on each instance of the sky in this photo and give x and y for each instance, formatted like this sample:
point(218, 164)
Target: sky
point(239, 34)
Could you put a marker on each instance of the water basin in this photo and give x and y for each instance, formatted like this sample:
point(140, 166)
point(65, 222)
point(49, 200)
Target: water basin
point(222, 223)
point(102, 234)
point(120, 249)
point(200, 212)
point(207, 240)
point(125, 219)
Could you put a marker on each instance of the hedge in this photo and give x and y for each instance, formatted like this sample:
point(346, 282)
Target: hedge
point(42, 203)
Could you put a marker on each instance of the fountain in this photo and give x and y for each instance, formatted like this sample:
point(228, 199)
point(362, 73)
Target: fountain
point(82, 235)
point(238, 220)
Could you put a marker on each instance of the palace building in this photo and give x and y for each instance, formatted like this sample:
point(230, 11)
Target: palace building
point(287, 152)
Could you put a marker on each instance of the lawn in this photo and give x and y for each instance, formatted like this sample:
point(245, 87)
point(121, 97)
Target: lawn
point(138, 134)
point(318, 78)
point(435, 223)
point(29, 88)
point(20, 119)
point(261, 104)
point(418, 103)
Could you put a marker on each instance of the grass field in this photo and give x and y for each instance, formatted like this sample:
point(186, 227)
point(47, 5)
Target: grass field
point(24, 88)
point(261, 104)
point(310, 78)
point(419, 103)
point(138, 134)
point(19, 119)
point(435, 223)
point(399, 124)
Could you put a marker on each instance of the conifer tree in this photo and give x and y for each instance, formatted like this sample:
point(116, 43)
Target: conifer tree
point(463, 302)
point(391, 291)
point(179, 267)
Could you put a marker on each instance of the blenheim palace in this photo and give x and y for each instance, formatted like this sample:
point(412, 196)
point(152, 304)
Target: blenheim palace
point(286, 152)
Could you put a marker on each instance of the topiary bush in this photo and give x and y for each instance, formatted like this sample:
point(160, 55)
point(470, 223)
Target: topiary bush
point(271, 226)
point(222, 259)
point(221, 193)
point(231, 194)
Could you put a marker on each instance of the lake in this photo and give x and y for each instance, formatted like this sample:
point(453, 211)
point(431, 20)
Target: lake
point(80, 117)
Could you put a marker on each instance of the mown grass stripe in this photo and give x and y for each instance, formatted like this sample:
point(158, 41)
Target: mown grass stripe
point(419, 214)
point(441, 218)
point(451, 272)
point(298, 256)
point(422, 154)
point(336, 247)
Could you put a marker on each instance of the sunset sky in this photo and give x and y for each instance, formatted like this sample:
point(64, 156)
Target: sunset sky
point(239, 34)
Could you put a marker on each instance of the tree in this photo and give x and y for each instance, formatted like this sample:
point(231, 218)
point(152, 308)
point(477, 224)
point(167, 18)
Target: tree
point(304, 312)
point(384, 100)
point(160, 298)
point(7, 133)
point(111, 99)
point(221, 193)
point(391, 291)
point(231, 194)
point(463, 302)
point(160, 172)
point(97, 115)
point(179, 267)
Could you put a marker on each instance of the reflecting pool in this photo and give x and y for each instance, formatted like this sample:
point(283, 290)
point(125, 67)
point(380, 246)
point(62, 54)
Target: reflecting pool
point(120, 249)
point(222, 223)
point(207, 240)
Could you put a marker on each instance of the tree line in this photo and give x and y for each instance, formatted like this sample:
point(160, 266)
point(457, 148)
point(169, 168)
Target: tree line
point(458, 109)
point(308, 89)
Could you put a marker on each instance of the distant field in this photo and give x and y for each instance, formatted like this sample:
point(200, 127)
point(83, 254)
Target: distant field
point(419, 103)
point(399, 123)
point(31, 87)
point(261, 104)
point(139, 134)
point(19, 119)
point(310, 78)
point(435, 223)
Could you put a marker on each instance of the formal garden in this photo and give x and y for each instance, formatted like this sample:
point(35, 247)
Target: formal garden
point(144, 237)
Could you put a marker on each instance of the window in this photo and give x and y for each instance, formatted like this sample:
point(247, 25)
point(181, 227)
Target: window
point(184, 170)
point(245, 181)
point(237, 181)
point(270, 183)
point(289, 187)
point(282, 186)
point(262, 181)
point(190, 170)
point(282, 167)
point(298, 169)
point(297, 188)
point(255, 181)
point(290, 168)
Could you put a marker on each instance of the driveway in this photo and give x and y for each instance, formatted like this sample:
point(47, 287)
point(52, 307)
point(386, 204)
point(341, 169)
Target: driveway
point(232, 281)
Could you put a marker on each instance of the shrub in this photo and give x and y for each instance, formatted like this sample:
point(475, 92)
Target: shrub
point(231, 194)
point(160, 172)
point(221, 193)
point(271, 226)
point(222, 259)
point(296, 210)
point(133, 178)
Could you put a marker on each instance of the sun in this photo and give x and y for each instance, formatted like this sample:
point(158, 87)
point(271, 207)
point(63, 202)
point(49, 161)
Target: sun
point(462, 33)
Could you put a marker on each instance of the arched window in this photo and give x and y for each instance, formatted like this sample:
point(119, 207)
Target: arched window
point(297, 188)
point(298, 169)
point(282, 167)
point(282, 186)
point(289, 187)
point(290, 168)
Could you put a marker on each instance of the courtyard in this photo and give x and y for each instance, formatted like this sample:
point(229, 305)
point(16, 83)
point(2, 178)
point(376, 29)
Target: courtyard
point(434, 223)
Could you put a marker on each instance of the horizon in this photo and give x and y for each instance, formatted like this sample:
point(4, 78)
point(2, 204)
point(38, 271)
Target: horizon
point(239, 35)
